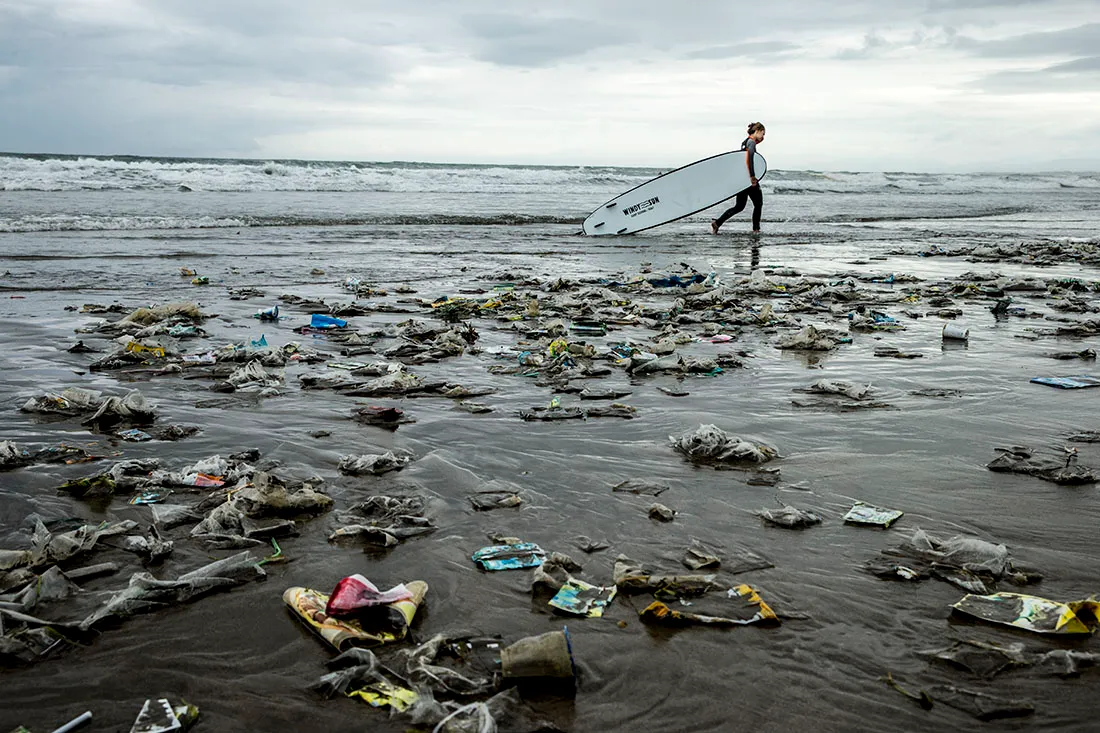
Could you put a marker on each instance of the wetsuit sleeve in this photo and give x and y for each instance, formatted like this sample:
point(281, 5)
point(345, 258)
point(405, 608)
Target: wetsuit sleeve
point(750, 156)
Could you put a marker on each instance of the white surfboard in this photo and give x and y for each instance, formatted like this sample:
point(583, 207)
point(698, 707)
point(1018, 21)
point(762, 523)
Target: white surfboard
point(674, 195)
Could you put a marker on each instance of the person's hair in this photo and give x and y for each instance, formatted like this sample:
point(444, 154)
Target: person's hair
point(755, 126)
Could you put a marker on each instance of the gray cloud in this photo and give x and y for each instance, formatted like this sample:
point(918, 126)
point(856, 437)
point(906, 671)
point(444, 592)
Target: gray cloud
point(1083, 40)
point(873, 43)
point(47, 43)
point(1085, 65)
point(752, 49)
point(938, 5)
point(512, 40)
point(86, 116)
point(1082, 75)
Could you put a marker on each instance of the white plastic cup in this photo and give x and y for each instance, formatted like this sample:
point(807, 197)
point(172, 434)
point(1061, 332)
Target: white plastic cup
point(955, 332)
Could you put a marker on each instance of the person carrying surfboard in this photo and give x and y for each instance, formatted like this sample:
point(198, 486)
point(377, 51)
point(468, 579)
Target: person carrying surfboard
point(756, 136)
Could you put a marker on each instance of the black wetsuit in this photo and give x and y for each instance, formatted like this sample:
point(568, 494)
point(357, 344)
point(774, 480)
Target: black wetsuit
point(752, 192)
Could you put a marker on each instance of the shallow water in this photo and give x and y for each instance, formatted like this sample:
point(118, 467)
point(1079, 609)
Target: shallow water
point(247, 664)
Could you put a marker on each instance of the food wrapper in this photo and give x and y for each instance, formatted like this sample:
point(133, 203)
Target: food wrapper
point(1032, 613)
point(309, 606)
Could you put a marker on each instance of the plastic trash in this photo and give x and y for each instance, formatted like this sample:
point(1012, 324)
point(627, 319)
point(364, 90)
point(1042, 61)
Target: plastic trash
point(161, 716)
point(136, 347)
point(789, 517)
point(953, 331)
point(173, 515)
point(509, 557)
point(71, 401)
point(52, 585)
point(132, 408)
point(1079, 381)
point(698, 557)
point(358, 673)
point(811, 338)
point(1059, 467)
point(181, 331)
point(1032, 613)
point(89, 487)
point(710, 444)
point(148, 316)
point(48, 547)
point(451, 665)
point(309, 606)
point(151, 548)
point(868, 515)
point(583, 599)
point(325, 322)
point(11, 456)
point(270, 314)
point(472, 718)
point(355, 593)
point(145, 593)
point(397, 381)
point(586, 327)
point(631, 577)
point(750, 609)
point(548, 655)
point(253, 374)
point(488, 499)
point(75, 723)
point(840, 387)
point(374, 464)
point(383, 693)
point(384, 520)
point(150, 497)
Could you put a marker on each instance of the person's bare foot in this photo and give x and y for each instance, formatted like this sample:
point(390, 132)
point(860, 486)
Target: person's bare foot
point(713, 226)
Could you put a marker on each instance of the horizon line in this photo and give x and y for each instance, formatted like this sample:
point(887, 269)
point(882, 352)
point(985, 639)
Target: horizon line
point(974, 171)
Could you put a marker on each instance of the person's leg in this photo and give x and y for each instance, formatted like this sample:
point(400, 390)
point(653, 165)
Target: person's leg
point(738, 207)
point(757, 206)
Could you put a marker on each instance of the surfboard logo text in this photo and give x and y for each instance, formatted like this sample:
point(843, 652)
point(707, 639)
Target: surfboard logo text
point(641, 205)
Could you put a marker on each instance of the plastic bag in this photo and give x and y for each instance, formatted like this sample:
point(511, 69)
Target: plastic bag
point(374, 464)
point(355, 593)
point(709, 443)
point(472, 718)
point(133, 408)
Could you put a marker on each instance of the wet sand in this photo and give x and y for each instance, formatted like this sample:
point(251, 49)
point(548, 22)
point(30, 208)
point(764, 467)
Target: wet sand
point(248, 664)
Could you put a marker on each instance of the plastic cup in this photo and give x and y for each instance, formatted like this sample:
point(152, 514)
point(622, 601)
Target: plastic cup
point(955, 332)
point(545, 655)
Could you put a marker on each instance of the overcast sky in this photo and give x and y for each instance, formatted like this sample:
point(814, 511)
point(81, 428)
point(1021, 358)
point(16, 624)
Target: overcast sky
point(920, 85)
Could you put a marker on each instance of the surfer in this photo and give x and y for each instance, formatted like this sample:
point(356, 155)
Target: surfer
point(756, 136)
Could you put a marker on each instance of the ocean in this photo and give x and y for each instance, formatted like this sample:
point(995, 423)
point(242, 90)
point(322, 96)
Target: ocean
point(926, 249)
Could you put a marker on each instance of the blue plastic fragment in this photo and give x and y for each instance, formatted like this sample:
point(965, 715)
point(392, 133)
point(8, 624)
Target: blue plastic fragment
point(509, 557)
point(321, 320)
point(1078, 381)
